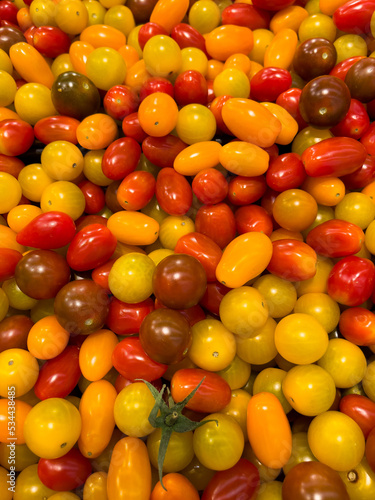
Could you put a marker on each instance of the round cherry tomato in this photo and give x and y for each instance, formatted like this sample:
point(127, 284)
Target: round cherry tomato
point(292, 260)
point(358, 326)
point(173, 192)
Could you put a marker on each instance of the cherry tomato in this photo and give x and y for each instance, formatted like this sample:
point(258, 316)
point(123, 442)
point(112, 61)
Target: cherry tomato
point(47, 338)
point(336, 238)
point(188, 36)
point(370, 449)
point(124, 318)
point(357, 325)
point(292, 260)
point(93, 367)
point(229, 39)
point(361, 410)
point(19, 369)
point(285, 172)
point(174, 484)
point(245, 14)
point(51, 41)
point(121, 158)
point(8, 262)
point(30, 64)
point(56, 128)
point(14, 331)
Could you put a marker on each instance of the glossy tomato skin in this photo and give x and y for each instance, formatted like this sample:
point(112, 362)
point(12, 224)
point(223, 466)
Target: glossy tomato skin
point(100, 274)
point(361, 409)
point(269, 83)
point(155, 84)
point(203, 249)
point(132, 128)
point(211, 299)
point(16, 137)
point(65, 473)
point(148, 30)
point(126, 319)
point(9, 259)
point(354, 16)
point(358, 326)
point(14, 331)
point(136, 190)
point(289, 100)
point(213, 395)
point(187, 36)
point(51, 41)
point(292, 260)
point(246, 15)
point(132, 362)
point(351, 280)
point(59, 375)
point(162, 151)
point(370, 449)
point(253, 218)
point(94, 197)
point(336, 238)
point(217, 222)
point(335, 156)
point(242, 481)
point(355, 123)
point(56, 128)
point(361, 177)
point(91, 247)
point(173, 192)
point(285, 172)
point(121, 158)
point(120, 101)
point(190, 87)
point(244, 190)
point(341, 69)
point(48, 231)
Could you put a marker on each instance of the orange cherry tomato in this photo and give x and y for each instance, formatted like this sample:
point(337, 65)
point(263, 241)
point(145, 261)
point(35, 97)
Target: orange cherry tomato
point(168, 13)
point(289, 17)
point(280, 51)
point(19, 371)
point(197, 157)
point(98, 422)
point(102, 35)
point(133, 228)
point(8, 239)
point(244, 258)
point(243, 158)
point(13, 413)
point(97, 131)
point(289, 126)
point(94, 366)
point(327, 191)
point(229, 39)
point(158, 114)
point(30, 64)
point(249, 121)
point(47, 338)
point(174, 484)
point(79, 52)
point(129, 474)
point(268, 430)
point(21, 215)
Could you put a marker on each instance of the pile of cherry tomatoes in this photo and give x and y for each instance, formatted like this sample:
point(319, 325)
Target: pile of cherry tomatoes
point(187, 190)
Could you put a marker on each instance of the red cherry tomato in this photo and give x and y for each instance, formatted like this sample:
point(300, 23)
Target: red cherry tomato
point(190, 87)
point(162, 151)
point(272, 4)
point(173, 192)
point(91, 247)
point(211, 299)
point(285, 172)
point(65, 473)
point(355, 123)
point(132, 362)
point(51, 41)
point(16, 137)
point(253, 218)
point(126, 319)
point(354, 16)
point(243, 14)
point(245, 190)
point(100, 274)
point(120, 158)
point(292, 260)
point(289, 100)
point(136, 190)
point(147, 31)
point(11, 165)
point(217, 222)
point(361, 177)
point(56, 128)
point(216, 106)
point(243, 479)
point(47, 231)
point(94, 196)
point(344, 66)
point(351, 280)
point(120, 101)
point(213, 394)
point(336, 238)
point(358, 325)
point(268, 83)
point(370, 449)
point(8, 12)
point(9, 259)
point(361, 409)
point(187, 36)
point(210, 186)
point(156, 84)
point(59, 376)
point(368, 139)
point(132, 128)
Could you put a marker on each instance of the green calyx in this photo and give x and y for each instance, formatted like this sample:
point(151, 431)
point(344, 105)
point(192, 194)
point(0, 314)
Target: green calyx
point(169, 418)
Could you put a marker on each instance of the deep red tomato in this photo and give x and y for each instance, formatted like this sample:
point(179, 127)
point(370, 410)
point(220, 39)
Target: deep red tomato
point(156, 84)
point(361, 177)
point(91, 247)
point(51, 41)
point(336, 238)
point(253, 218)
point(211, 299)
point(100, 274)
point(8, 12)
point(120, 101)
point(341, 69)
point(65, 473)
point(268, 83)
point(131, 361)
point(192, 314)
point(86, 220)
point(212, 396)
point(210, 186)
point(272, 4)
point(16, 137)
point(368, 139)
point(292, 260)
point(11, 165)
point(147, 31)
point(29, 34)
point(173, 192)
point(162, 151)
point(242, 481)
point(59, 376)
point(351, 280)
point(14, 331)
point(190, 87)
point(126, 319)
point(94, 196)
point(370, 449)
point(243, 14)
point(335, 156)
point(136, 190)
point(47, 231)
point(355, 123)
point(120, 158)
point(354, 16)
point(203, 248)
point(246, 190)
point(9, 259)
point(56, 128)
point(132, 128)
point(370, 108)
point(289, 100)
point(217, 222)
point(216, 106)
point(187, 36)
point(358, 325)
point(361, 409)
point(285, 172)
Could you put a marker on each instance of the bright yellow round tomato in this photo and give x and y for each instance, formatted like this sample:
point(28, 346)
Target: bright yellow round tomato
point(279, 294)
point(179, 454)
point(63, 196)
point(9, 88)
point(243, 311)
point(173, 228)
point(204, 16)
point(132, 408)
point(62, 161)
point(213, 346)
point(219, 445)
point(237, 408)
point(349, 45)
point(162, 56)
point(195, 123)
point(106, 67)
point(158, 113)
point(336, 440)
point(33, 180)
point(322, 307)
point(33, 102)
point(345, 362)
point(130, 278)
point(260, 348)
point(52, 427)
point(300, 338)
point(309, 389)
point(71, 16)
point(121, 18)
point(94, 367)
point(92, 168)
point(42, 12)
point(356, 208)
point(318, 283)
point(193, 59)
point(233, 82)
point(28, 485)
point(10, 192)
point(96, 12)
point(315, 26)
point(19, 371)
point(237, 373)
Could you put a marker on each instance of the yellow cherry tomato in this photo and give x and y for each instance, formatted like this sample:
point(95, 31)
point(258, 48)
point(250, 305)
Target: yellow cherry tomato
point(204, 16)
point(237, 373)
point(279, 294)
point(95, 487)
point(162, 56)
point(10, 192)
point(62, 161)
point(213, 346)
point(71, 16)
point(132, 408)
point(30, 64)
point(290, 17)
point(271, 380)
point(260, 348)
point(28, 485)
point(244, 158)
point(327, 191)
point(42, 12)
point(318, 283)
point(315, 26)
point(349, 45)
point(195, 123)
point(9, 88)
point(94, 366)
point(227, 40)
point(16, 297)
point(168, 13)
point(173, 228)
point(33, 102)
point(63, 196)
point(336, 440)
point(322, 307)
point(294, 209)
point(300, 338)
point(105, 67)
point(33, 180)
point(21, 215)
point(19, 371)
point(368, 381)
point(92, 168)
point(289, 126)
point(96, 12)
point(96, 410)
point(237, 408)
point(356, 208)
point(280, 52)
point(233, 82)
point(307, 137)
point(244, 258)
point(121, 18)
point(262, 39)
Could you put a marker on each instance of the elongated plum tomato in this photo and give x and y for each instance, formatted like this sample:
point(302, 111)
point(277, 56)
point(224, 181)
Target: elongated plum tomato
point(48, 231)
point(358, 326)
point(292, 260)
point(361, 409)
point(336, 238)
point(268, 429)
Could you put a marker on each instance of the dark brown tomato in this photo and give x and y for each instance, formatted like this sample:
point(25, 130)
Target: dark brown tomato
point(10, 35)
point(179, 281)
point(41, 273)
point(14, 331)
point(313, 481)
point(111, 197)
point(81, 307)
point(165, 336)
point(324, 101)
point(360, 80)
point(141, 9)
point(314, 57)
